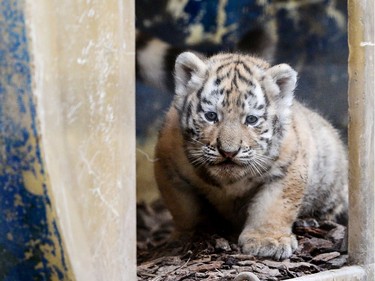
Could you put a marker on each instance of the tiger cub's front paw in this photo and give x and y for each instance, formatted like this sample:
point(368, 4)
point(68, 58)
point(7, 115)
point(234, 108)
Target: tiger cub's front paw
point(278, 246)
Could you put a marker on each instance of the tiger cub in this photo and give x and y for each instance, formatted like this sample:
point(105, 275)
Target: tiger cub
point(235, 139)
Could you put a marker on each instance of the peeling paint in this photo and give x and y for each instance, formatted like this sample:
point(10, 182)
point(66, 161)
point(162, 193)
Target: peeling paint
point(176, 8)
point(338, 16)
point(30, 242)
point(198, 34)
point(364, 44)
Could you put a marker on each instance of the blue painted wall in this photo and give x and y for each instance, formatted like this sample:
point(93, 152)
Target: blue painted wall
point(30, 242)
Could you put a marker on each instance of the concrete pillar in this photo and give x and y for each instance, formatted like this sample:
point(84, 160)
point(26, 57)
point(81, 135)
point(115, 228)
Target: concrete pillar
point(31, 242)
point(67, 140)
point(361, 135)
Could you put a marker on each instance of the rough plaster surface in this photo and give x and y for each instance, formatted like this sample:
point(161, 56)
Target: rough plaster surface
point(361, 135)
point(84, 84)
point(31, 247)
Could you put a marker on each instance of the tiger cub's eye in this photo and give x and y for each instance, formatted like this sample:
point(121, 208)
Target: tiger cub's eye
point(251, 119)
point(211, 116)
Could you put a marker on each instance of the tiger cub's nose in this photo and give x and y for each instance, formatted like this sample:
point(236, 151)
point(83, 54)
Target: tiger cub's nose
point(227, 151)
point(228, 154)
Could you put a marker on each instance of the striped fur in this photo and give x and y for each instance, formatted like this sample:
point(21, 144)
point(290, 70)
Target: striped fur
point(236, 138)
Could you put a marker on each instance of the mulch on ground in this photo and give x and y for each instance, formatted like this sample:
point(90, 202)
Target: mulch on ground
point(322, 246)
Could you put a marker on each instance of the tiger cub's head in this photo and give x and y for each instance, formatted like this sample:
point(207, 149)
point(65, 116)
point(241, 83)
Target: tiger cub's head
point(233, 112)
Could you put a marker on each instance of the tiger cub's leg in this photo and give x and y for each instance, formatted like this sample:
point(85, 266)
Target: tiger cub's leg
point(268, 229)
point(180, 199)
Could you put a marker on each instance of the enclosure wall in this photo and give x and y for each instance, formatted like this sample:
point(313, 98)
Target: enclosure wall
point(361, 134)
point(67, 140)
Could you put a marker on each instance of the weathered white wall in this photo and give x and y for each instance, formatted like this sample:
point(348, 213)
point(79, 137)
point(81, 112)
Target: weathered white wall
point(361, 134)
point(352, 273)
point(83, 53)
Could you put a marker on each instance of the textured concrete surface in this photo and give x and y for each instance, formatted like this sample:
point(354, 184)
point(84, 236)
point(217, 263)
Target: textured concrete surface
point(30, 239)
point(67, 142)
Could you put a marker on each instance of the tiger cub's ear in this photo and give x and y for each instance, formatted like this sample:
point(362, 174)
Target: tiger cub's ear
point(285, 78)
point(190, 72)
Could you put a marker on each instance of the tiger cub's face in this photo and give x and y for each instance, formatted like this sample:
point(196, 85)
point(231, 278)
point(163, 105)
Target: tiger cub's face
point(233, 110)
